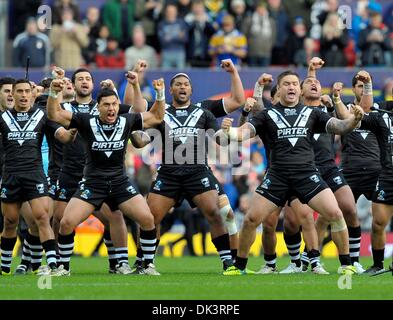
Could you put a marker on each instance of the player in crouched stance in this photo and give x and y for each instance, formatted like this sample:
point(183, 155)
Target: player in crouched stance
point(106, 137)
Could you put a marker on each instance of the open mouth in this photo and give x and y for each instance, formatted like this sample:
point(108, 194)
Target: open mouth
point(182, 94)
point(23, 101)
point(10, 100)
point(291, 95)
point(314, 89)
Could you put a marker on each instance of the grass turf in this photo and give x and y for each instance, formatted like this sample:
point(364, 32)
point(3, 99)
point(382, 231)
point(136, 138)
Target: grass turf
point(195, 278)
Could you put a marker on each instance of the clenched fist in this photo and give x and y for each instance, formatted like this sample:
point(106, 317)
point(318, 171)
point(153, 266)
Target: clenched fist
point(337, 89)
point(107, 84)
point(265, 79)
point(226, 124)
point(363, 76)
point(58, 73)
point(159, 84)
point(228, 65)
point(57, 85)
point(316, 63)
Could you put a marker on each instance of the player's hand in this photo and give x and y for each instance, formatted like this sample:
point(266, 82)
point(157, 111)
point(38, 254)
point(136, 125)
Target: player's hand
point(159, 84)
point(107, 84)
point(358, 112)
point(228, 65)
point(226, 124)
point(327, 101)
point(58, 73)
point(132, 77)
point(337, 89)
point(363, 76)
point(316, 63)
point(140, 66)
point(57, 85)
point(250, 104)
point(265, 79)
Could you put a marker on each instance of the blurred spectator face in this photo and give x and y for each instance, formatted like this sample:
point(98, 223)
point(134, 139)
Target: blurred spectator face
point(198, 9)
point(184, 2)
point(66, 2)
point(238, 7)
point(244, 203)
point(309, 45)
point(361, 9)
point(6, 99)
point(375, 20)
point(228, 24)
point(261, 10)
point(112, 45)
point(67, 16)
point(275, 4)
point(299, 28)
point(388, 89)
point(138, 37)
point(93, 14)
point(332, 5)
point(83, 84)
point(171, 13)
point(312, 88)
point(104, 32)
point(68, 90)
point(31, 27)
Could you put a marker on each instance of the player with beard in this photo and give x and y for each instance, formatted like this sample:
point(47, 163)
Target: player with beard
point(218, 108)
point(288, 128)
point(105, 180)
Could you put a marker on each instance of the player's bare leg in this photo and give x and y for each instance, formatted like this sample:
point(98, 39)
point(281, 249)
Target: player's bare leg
point(229, 220)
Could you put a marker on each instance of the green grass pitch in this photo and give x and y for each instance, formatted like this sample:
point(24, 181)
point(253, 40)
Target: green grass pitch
point(195, 278)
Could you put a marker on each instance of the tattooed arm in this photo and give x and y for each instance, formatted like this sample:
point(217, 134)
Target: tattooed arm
point(341, 127)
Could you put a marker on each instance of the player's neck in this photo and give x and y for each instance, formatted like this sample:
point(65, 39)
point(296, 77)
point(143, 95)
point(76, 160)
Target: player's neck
point(289, 105)
point(21, 109)
point(312, 102)
point(181, 105)
point(83, 100)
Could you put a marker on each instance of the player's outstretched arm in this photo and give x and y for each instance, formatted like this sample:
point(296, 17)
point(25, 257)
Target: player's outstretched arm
point(246, 131)
point(262, 81)
point(133, 94)
point(315, 64)
point(367, 100)
point(66, 136)
point(237, 98)
point(341, 127)
point(340, 108)
point(248, 106)
point(55, 112)
point(156, 114)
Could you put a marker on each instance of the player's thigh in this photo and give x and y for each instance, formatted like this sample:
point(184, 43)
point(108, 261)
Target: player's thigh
point(259, 210)
point(59, 208)
point(346, 200)
point(137, 209)
point(300, 212)
point(382, 213)
point(40, 207)
point(27, 213)
point(159, 205)
point(326, 205)
point(207, 202)
point(76, 212)
point(10, 212)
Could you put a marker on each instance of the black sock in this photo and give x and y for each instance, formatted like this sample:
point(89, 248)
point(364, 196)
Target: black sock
point(293, 243)
point(112, 257)
point(314, 255)
point(25, 261)
point(139, 257)
point(148, 242)
point(233, 254)
point(345, 260)
point(122, 255)
point(378, 257)
point(222, 245)
point(50, 252)
point(35, 251)
point(7, 246)
point(66, 246)
point(305, 259)
point(355, 235)
point(270, 260)
point(241, 263)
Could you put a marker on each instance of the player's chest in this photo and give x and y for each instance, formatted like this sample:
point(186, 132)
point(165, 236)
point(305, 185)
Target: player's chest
point(184, 123)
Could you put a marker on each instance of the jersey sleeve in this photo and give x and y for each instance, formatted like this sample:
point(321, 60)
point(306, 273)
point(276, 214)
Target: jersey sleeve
point(257, 122)
point(216, 107)
point(79, 120)
point(135, 121)
point(124, 108)
point(211, 122)
point(371, 122)
point(321, 121)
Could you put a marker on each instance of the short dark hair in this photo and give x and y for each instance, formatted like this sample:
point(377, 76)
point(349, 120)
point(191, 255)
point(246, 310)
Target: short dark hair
point(79, 71)
point(106, 93)
point(6, 80)
point(355, 80)
point(286, 73)
point(45, 83)
point(178, 75)
point(273, 91)
point(19, 81)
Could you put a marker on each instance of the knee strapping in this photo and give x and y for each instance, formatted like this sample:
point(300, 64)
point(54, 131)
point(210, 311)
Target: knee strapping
point(339, 225)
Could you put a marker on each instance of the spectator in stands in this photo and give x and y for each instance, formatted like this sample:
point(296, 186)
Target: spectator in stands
point(296, 40)
point(214, 9)
point(239, 12)
point(118, 15)
point(31, 43)
point(183, 8)
point(140, 50)
point(360, 20)
point(112, 57)
point(101, 41)
point(200, 31)
point(93, 25)
point(299, 8)
point(303, 56)
point(228, 43)
point(388, 17)
point(148, 13)
point(68, 40)
point(283, 27)
point(374, 41)
point(21, 11)
point(334, 39)
point(173, 36)
point(260, 30)
point(58, 8)
point(331, 7)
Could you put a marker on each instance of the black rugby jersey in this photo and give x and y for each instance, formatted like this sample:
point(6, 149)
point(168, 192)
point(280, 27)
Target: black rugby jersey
point(386, 105)
point(381, 125)
point(216, 107)
point(74, 154)
point(288, 132)
point(105, 144)
point(183, 134)
point(323, 144)
point(22, 135)
point(360, 150)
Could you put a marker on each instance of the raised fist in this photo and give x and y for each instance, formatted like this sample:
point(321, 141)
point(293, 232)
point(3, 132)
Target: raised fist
point(57, 85)
point(226, 124)
point(159, 84)
point(265, 79)
point(58, 73)
point(140, 66)
point(249, 105)
point(107, 84)
point(132, 77)
point(316, 63)
point(228, 65)
point(363, 76)
point(357, 112)
point(337, 89)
